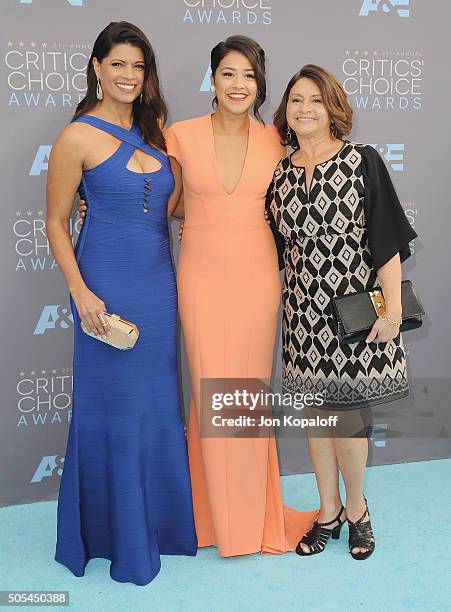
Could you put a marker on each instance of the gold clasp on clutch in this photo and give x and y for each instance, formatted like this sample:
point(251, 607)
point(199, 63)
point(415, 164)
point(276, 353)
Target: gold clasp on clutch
point(378, 301)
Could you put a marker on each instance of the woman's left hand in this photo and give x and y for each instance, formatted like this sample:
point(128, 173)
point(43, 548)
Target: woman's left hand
point(382, 331)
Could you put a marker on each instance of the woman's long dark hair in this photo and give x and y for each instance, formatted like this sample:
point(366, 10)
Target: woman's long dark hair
point(151, 113)
point(256, 56)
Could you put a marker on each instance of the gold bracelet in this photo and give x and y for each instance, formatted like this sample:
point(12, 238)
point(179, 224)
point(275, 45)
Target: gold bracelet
point(390, 321)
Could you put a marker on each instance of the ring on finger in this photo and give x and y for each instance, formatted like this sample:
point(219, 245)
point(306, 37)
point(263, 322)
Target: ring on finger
point(102, 320)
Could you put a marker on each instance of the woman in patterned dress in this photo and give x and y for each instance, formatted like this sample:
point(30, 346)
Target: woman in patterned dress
point(337, 219)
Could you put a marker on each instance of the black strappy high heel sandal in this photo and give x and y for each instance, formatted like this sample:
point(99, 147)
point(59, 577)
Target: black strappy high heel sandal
point(361, 535)
point(318, 536)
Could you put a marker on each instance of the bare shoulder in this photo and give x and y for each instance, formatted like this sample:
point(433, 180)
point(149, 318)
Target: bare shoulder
point(72, 142)
point(74, 134)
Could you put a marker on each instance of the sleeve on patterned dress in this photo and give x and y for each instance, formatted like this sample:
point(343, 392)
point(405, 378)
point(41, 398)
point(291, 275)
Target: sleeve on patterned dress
point(172, 143)
point(389, 231)
point(278, 238)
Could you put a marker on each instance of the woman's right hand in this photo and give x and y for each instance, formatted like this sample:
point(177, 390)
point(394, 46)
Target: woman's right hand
point(82, 208)
point(89, 307)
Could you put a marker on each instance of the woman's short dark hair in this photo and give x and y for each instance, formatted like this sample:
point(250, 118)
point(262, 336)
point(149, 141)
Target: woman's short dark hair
point(334, 98)
point(256, 56)
point(151, 113)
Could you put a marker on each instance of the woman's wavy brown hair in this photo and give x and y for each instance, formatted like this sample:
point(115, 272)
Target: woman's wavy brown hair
point(151, 113)
point(334, 98)
point(256, 56)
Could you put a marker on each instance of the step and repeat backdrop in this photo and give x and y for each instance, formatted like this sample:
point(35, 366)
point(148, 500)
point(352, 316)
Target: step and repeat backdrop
point(396, 73)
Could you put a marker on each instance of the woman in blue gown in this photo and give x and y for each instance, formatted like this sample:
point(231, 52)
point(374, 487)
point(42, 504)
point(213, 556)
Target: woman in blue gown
point(125, 493)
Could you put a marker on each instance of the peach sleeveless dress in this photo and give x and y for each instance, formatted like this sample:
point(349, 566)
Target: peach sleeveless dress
point(229, 293)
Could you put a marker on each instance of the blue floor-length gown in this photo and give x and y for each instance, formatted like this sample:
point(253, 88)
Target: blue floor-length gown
point(125, 493)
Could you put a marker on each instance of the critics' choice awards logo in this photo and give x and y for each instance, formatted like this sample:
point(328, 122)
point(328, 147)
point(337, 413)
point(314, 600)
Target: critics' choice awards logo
point(46, 74)
point(44, 397)
point(53, 317)
point(31, 246)
point(230, 12)
point(411, 212)
point(47, 467)
point(393, 155)
point(384, 80)
point(398, 7)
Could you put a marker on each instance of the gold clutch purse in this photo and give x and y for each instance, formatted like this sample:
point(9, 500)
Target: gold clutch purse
point(123, 333)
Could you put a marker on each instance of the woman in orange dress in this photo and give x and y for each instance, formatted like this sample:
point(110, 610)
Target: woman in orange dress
point(229, 293)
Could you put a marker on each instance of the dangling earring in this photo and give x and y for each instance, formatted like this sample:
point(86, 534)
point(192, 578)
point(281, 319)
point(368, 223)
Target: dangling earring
point(141, 98)
point(288, 135)
point(333, 129)
point(99, 90)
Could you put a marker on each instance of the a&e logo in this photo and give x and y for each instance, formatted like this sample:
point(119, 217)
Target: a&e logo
point(47, 467)
point(206, 83)
point(52, 317)
point(41, 161)
point(401, 7)
point(393, 154)
point(379, 434)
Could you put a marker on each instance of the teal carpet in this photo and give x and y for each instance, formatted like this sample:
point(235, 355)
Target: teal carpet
point(410, 507)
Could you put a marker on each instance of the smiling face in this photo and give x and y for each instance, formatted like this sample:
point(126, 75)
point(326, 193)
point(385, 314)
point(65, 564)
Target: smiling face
point(235, 83)
point(306, 113)
point(121, 73)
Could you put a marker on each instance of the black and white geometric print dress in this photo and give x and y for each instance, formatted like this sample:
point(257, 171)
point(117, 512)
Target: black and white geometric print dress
point(332, 238)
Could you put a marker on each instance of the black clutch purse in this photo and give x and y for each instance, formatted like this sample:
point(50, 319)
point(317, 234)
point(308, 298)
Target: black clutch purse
point(356, 313)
